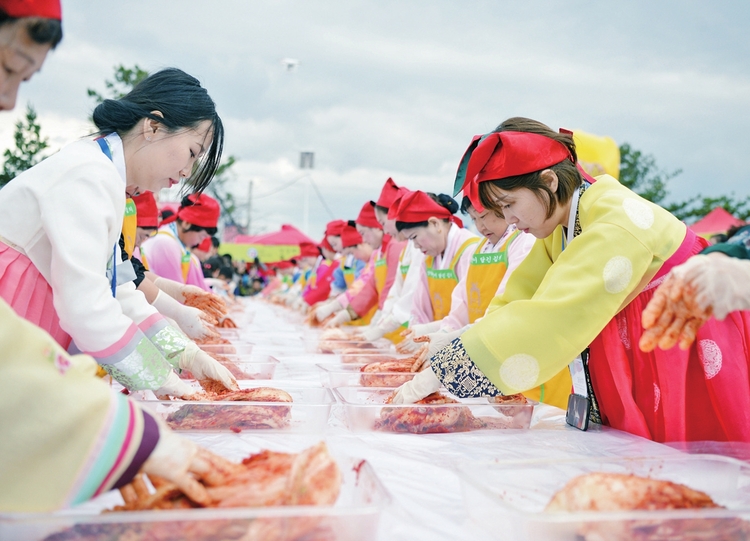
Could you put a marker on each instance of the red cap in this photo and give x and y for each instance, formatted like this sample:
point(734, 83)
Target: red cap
point(393, 209)
point(308, 249)
point(420, 207)
point(283, 265)
point(350, 236)
point(148, 212)
point(325, 244)
point(388, 194)
point(47, 9)
point(367, 217)
point(334, 228)
point(204, 212)
point(507, 154)
point(205, 245)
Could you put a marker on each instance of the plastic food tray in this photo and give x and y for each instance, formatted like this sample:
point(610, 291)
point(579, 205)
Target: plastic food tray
point(350, 375)
point(354, 517)
point(251, 366)
point(507, 499)
point(365, 410)
point(244, 348)
point(308, 412)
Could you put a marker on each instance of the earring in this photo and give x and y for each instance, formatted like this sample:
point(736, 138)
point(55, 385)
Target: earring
point(148, 138)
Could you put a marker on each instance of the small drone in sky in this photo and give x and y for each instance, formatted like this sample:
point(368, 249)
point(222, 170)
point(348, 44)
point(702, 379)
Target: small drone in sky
point(290, 64)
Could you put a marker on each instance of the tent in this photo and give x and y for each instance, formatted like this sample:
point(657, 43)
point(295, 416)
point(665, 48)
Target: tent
point(716, 221)
point(275, 246)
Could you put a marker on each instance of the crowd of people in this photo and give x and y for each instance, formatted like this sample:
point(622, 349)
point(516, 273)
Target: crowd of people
point(577, 292)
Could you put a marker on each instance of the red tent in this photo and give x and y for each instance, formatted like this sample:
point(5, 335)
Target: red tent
point(716, 221)
point(289, 236)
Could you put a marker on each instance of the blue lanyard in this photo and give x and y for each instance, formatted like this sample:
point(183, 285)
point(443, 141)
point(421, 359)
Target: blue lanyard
point(108, 153)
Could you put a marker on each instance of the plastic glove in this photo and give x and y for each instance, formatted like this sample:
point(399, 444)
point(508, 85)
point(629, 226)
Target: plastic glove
point(721, 282)
point(372, 333)
point(300, 305)
point(341, 317)
point(175, 387)
point(213, 304)
point(376, 317)
point(184, 463)
point(325, 310)
point(408, 345)
point(193, 322)
point(203, 366)
point(423, 384)
point(439, 340)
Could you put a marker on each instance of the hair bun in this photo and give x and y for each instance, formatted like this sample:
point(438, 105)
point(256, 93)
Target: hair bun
point(448, 202)
point(186, 201)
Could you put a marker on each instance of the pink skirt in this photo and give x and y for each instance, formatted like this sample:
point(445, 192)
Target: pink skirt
point(28, 293)
point(702, 394)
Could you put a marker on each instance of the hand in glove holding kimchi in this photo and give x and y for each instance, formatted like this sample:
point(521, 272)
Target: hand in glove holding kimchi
point(193, 322)
point(203, 366)
point(703, 286)
point(423, 384)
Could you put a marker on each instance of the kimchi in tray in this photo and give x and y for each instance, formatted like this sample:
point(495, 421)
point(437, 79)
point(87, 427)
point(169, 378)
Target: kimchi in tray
point(280, 406)
point(366, 409)
point(508, 499)
point(354, 517)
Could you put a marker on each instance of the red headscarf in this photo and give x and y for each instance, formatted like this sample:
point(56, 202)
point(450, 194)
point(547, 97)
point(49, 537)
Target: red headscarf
point(46, 9)
point(147, 211)
point(367, 217)
point(334, 228)
point(388, 194)
point(205, 245)
point(506, 154)
point(350, 236)
point(419, 207)
point(393, 209)
point(325, 244)
point(204, 212)
point(308, 249)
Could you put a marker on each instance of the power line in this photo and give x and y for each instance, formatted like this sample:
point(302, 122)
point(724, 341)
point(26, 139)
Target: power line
point(281, 188)
point(320, 196)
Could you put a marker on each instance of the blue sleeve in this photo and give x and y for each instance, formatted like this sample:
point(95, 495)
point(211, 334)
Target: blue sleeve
point(358, 268)
point(338, 279)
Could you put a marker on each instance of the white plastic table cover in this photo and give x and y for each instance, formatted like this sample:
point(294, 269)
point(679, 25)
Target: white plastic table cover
point(419, 471)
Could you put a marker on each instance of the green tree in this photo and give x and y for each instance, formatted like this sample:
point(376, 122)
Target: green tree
point(28, 150)
point(639, 172)
point(125, 80)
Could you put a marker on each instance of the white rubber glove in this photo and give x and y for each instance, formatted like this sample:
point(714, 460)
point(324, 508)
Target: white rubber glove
point(720, 281)
point(408, 345)
point(191, 321)
point(341, 317)
point(174, 387)
point(300, 305)
point(426, 328)
point(174, 289)
point(372, 333)
point(423, 384)
point(376, 317)
point(203, 366)
point(439, 340)
point(325, 310)
point(184, 463)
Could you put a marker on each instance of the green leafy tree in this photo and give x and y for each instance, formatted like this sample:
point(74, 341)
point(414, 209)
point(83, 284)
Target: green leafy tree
point(125, 80)
point(28, 150)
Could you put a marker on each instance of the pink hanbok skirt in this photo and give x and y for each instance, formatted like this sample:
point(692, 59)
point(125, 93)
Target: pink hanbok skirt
point(28, 293)
point(702, 394)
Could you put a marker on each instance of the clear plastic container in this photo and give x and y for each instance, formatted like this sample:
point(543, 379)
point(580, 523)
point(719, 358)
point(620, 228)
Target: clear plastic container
point(507, 499)
point(354, 517)
point(350, 375)
point(365, 410)
point(249, 366)
point(244, 348)
point(307, 413)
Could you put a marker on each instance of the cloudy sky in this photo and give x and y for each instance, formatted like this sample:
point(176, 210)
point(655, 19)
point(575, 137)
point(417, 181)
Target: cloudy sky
point(398, 87)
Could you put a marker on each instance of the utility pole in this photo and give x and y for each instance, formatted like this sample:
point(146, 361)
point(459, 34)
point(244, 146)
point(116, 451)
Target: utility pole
point(306, 161)
point(249, 206)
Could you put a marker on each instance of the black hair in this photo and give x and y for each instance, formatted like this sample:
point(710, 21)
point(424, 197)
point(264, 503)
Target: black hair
point(465, 205)
point(226, 271)
point(382, 209)
point(183, 102)
point(41, 30)
point(215, 241)
point(441, 199)
point(166, 213)
point(351, 223)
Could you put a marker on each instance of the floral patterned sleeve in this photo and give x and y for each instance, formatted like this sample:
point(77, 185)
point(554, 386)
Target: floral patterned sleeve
point(459, 374)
